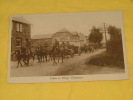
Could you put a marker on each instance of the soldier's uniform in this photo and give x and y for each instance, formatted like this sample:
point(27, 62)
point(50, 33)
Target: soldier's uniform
point(63, 45)
point(55, 44)
point(23, 50)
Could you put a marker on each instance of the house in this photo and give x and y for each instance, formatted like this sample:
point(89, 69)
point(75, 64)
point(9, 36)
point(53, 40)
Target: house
point(20, 33)
point(83, 39)
point(41, 39)
point(73, 38)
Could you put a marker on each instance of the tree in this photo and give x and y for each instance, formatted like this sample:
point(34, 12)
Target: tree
point(114, 45)
point(115, 33)
point(95, 35)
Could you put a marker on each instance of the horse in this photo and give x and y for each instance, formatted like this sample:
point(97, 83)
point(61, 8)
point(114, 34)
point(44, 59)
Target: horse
point(26, 54)
point(41, 53)
point(44, 53)
point(18, 57)
point(57, 52)
point(49, 53)
point(84, 49)
point(32, 53)
point(38, 54)
point(26, 57)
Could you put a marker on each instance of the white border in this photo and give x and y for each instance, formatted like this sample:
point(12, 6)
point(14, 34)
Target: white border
point(42, 79)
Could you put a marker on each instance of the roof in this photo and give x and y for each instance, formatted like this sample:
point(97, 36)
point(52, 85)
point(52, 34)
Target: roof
point(74, 33)
point(82, 36)
point(63, 30)
point(21, 19)
point(66, 30)
point(42, 36)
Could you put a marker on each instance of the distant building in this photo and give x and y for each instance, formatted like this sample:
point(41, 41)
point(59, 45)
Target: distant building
point(20, 33)
point(74, 38)
point(41, 40)
point(83, 39)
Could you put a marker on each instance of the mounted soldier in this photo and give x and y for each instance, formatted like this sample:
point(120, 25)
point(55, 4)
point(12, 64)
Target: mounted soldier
point(18, 56)
point(23, 50)
point(55, 44)
point(63, 45)
point(23, 53)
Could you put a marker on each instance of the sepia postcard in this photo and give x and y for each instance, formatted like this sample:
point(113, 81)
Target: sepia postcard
point(67, 47)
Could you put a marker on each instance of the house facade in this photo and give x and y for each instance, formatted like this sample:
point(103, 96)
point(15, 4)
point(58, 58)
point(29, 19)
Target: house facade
point(20, 33)
point(73, 38)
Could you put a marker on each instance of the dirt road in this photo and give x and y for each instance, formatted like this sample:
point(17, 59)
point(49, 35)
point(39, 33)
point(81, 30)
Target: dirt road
point(71, 66)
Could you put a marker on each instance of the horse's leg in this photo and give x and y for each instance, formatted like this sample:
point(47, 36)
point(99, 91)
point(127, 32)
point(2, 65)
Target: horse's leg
point(38, 59)
point(33, 58)
point(54, 62)
point(62, 57)
point(51, 58)
point(24, 60)
point(18, 64)
point(28, 60)
point(43, 56)
point(58, 58)
point(46, 57)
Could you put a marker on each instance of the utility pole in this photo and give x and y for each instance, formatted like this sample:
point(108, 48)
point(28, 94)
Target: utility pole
point(105, 35)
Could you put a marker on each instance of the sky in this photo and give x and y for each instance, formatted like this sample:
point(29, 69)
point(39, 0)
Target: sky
point(79, 22)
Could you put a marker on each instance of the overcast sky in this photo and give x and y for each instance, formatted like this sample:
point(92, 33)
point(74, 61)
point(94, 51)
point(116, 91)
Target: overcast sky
point(80, 22)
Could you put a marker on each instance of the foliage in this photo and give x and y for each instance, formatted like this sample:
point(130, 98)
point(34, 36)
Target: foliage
point(114, 45)
point(95, 35)
point(105, 59)
point(114, 55)
point(114, 32)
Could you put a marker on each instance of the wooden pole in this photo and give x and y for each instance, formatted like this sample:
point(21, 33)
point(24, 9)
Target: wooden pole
point(105, 35)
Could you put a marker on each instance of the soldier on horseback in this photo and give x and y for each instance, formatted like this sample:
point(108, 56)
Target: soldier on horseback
point(18, 56)
point(55, 50)
point(55, 44)
point(23, 52)
point(63, 45)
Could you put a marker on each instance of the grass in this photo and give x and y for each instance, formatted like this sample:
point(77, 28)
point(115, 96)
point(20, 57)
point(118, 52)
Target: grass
point(106, 59)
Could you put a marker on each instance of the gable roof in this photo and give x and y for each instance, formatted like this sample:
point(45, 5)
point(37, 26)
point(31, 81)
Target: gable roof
point(63, 30)
point(42, 36)
point(66, 30)
point(21, 19)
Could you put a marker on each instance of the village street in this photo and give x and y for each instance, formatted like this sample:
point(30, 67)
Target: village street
point(70, 66)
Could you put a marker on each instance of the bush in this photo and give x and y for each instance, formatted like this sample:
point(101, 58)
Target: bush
point(105, 59)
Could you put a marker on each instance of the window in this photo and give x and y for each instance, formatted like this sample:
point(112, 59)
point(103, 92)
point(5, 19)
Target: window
point(19, 27)
point(18, 42)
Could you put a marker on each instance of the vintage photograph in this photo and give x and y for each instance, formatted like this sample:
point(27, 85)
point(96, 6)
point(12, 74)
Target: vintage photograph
point(66, 47)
